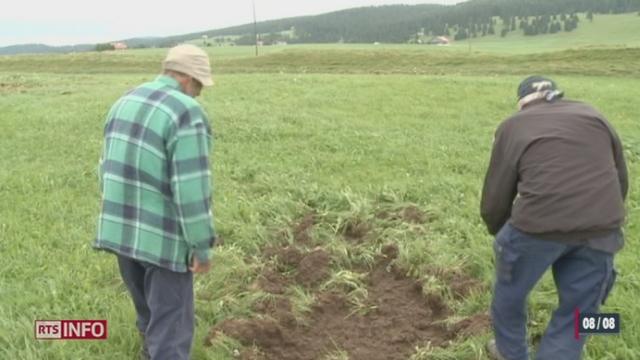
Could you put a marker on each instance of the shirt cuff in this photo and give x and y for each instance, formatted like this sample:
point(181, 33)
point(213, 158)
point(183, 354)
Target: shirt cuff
point(202, 255)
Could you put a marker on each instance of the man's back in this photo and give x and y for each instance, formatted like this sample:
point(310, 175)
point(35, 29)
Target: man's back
point(566, 160)
point(568, 177)
point(155, 176)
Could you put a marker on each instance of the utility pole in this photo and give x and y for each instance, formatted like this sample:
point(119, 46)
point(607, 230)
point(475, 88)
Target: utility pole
point(255, 25)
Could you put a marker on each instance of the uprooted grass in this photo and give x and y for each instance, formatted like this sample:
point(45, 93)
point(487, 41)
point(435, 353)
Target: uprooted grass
point(367, 310)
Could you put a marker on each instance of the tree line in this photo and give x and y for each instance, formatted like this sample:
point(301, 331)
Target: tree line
point(403, 23)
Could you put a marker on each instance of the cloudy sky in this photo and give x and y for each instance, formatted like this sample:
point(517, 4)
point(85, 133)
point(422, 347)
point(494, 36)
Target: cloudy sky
point(68, 22)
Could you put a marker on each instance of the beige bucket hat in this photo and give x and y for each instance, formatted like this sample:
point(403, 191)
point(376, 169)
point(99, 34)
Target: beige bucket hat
point(190, 60)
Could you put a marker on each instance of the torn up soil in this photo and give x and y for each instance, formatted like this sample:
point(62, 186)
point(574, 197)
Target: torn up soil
point(355, 229)
point(395, 318)
point(293, 266)
point(313, 268)
point(273, 282)
point(461, 285)
point(472, 325)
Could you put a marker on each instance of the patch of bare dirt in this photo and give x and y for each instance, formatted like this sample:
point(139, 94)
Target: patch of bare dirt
point(273, 282)
point(287, 257)
point(313, 268)
point(390, 251)
point(278, 308)
point(397, 318)
point(292, 265)
point(473, 325)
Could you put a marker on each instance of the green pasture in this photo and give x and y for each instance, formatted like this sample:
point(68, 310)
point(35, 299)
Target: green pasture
point(610, 31)
point(315, 128)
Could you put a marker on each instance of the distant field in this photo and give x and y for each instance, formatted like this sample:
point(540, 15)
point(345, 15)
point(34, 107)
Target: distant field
point(345, 60)
point(612, 31)
point(339, 154)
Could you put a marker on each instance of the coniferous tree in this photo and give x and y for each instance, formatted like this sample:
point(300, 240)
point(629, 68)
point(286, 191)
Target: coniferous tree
point(523, 23)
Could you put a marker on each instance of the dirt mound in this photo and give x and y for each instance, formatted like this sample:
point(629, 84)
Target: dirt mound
point(390, 251)
point(413, 215)
point(278, 308)
point(313, 268)
point(273, 282)
point(287, 257)
point(355, 229)
point(292, 265)
point(395, 318)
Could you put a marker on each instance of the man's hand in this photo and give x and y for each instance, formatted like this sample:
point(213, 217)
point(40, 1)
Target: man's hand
point(199, 268)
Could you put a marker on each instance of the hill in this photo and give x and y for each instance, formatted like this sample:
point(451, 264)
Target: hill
point(417, 23)
point(41, 48)
point(396, 24)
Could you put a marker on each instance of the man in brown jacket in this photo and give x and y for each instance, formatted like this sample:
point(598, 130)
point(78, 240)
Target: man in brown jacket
point(554, 197)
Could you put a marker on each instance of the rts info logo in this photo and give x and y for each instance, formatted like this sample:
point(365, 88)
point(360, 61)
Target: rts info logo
point(70, 329)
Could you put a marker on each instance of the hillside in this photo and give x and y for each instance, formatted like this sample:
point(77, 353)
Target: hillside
point(417, 23)
point(475, 19)
point(605, 31)
point(41, 48)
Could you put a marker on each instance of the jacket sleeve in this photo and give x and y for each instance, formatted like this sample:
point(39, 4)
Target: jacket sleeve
point(621, 165)
point(618, 157)
point(500, 185)
point(191, 183)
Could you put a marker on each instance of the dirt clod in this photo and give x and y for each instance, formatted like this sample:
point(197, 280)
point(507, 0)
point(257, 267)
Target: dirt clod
point(472, 325)
point(272, 282)
point(355, 229)
point(390, 251)
point(313, 268)
point(413, 214)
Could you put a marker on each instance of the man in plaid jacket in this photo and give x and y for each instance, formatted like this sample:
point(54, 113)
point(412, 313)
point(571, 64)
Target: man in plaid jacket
point(156, 198)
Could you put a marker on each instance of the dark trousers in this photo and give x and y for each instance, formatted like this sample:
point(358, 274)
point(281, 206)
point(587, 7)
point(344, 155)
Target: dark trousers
point(164, 305)
point(583, 278)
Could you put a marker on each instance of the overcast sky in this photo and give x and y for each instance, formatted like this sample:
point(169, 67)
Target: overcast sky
point(68, 22)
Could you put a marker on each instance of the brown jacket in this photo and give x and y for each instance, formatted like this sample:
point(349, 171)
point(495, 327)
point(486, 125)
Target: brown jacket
point(564, 165)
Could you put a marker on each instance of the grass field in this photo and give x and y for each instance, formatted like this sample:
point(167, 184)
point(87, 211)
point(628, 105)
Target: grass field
point(319, 130)
point(610, 31)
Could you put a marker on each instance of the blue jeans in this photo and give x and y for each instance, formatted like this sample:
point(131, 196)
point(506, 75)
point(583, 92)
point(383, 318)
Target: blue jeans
point(164, 306)
point(583, 278)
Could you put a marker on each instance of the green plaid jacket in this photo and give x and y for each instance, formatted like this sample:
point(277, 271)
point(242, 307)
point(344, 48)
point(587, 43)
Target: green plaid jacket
point(155, 178)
